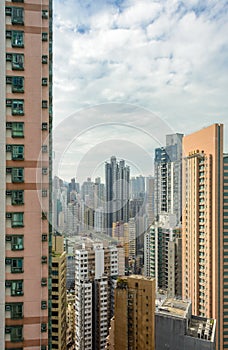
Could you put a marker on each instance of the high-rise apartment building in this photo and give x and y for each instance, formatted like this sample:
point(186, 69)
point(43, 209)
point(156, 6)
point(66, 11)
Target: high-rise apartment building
point(168, 176)
point(25, 162)
point(150, 200)
point(120, 231)
point(205, 230)
point(134, 316)
point(59, 298)
point(162, 255)
point(117, 180)
point(96, 266)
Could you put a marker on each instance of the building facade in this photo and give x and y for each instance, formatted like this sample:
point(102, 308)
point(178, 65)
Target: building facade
point(96, 267)
point(26, 122)
point(176, 327)
point(204, 248)
point(162, 255)
point(134, 324)
point(59, 300)
point(117, 182)
point(168, 177)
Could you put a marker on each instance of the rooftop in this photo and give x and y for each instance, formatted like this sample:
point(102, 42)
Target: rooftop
point(174, 307)
point(201, 327)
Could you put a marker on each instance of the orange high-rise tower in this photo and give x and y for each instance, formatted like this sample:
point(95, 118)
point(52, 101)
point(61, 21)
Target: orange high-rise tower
point(204, 219)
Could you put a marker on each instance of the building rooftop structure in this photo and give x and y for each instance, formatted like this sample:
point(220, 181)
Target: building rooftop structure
point(175, 307)
point(183, 330)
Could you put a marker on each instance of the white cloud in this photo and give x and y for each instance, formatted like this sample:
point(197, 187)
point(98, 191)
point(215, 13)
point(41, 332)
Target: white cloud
point(169, 57)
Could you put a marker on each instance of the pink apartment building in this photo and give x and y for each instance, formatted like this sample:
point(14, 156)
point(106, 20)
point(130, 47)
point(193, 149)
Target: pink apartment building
point(25, 163)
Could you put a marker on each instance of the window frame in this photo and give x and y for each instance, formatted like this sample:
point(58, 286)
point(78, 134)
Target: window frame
point(15, 177)
point(17, 314)
point(17, 197)
point(17, 107)
point(17, 61)
point(17, 265)
point(17, 219)
point(17, 15)
point(17, 84)
point(17, 35)
point(44, 36)
point(18, 289)
point(16, 334)
point(17, 129)
point(15, 242)
point(18, 152)
point(14, 313)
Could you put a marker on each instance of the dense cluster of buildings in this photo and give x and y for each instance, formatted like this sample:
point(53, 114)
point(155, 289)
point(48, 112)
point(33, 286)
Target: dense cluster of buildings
point(134, 262)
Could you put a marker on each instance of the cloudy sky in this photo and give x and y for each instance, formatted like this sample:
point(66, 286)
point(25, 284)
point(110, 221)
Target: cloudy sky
point(127, 72)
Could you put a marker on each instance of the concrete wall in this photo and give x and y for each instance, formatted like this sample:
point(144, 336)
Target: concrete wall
point(170, 334)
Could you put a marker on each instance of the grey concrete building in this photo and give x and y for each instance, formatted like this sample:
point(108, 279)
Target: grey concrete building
point(177, 329)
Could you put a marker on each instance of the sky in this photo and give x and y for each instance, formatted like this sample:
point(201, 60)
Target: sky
point(128, 72)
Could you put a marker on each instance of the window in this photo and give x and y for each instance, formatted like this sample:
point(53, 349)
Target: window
point(44, 149)
point(17, 197)
point(44, 126)
point(17, 84)
point(44, 259)
point(18, 107)
point(17, 220)
point(43, 304)
point(17, 288)
point(17, 152)
point(44, 104)
point(44, 237)
point(44, 81)
point(44, 193)
point(16, 310)
point(16, 334)
point(17, 61)
point(44, 215)
point(43, 327)
point(44, 36)
point(17, 129)
point(8, 11)
point(17, 38)
point(44, 59)
point(44, 14)
point(8, 34)
point(43, 282)
point(17, 15)
point(17, 265)
point(17, 242)
point(17, 175)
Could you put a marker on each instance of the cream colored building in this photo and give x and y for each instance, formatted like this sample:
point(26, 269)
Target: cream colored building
point(70, 336)
point(59, 302)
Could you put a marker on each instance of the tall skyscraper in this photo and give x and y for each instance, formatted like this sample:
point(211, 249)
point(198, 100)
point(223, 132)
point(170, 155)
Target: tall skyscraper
point(117, 179)
point(168, 176)
point(205, 230)
point(25, 162)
